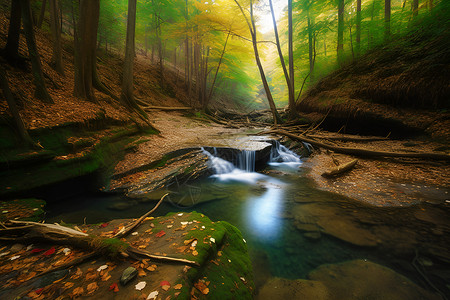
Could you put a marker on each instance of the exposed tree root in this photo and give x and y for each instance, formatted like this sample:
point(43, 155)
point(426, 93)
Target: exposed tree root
point(363, 152)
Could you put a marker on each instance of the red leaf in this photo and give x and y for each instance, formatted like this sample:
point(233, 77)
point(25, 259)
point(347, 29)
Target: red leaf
point(36, 250)
point(38, 291)
point(49, 251)
point(160, 234)
point(114, 287)
point(103, 225)
point(164, 283)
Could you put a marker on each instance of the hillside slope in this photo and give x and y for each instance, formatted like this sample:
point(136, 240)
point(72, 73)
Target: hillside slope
point(402, 87)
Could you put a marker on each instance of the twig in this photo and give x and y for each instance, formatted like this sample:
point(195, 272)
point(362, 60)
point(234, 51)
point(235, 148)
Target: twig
point(133, 250)
point(126, 231)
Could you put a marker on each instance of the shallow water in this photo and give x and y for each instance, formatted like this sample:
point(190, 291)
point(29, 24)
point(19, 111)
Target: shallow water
point(291, 227)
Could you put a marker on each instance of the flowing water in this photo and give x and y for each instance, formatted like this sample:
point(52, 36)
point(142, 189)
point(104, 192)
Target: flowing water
point(290, 226)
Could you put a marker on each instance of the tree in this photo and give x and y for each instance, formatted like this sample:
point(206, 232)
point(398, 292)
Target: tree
point(127, 82)
point(55, 27)
point(85, 45)
point(18, 122)
point(41, 89)
point(292, 108)
point(11, 50)
point(252, 29)
point(415, 7)
point(340, 39)
point(387, 19)
point(358, 27)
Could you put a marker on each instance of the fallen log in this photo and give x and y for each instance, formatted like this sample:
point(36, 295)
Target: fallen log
point(168, 107)
point(340, 169)
point(348, 138)
point(363, 152)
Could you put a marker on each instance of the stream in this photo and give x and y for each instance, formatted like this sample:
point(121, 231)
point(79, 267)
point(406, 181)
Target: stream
point(290, 226)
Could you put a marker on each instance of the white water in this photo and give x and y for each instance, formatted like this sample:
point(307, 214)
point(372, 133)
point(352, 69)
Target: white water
point(263, 210)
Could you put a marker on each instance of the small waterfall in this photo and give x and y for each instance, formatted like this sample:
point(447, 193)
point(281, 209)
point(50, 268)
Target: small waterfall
point(220, 166)
point(246, 160)
point(281, 154)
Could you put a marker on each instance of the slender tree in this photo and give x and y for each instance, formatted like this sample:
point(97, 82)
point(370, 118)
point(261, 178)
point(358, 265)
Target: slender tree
point(415, 7)
point(340, 39)
point(292, 108)
point(41, 14)
point(387, 19)
point(127, 82)
point(41, 89)
point(358, 27)
point(55, 27)
point(252, 29)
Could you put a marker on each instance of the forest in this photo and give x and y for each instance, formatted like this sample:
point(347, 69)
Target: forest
point(224, 149)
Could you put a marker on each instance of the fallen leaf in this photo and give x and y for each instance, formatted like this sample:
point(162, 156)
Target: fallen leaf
point(151, 268)
point(77, 292)
point(195, 253)
point(106, 277)
point(104, 267)
point(77, 274)
point(161, 233)
point(114, 287)
point(14, 257)
point(37, 250)
point(205, 291)
point(164, 282)
point(49, 251)
point(92, 287)
point(103, 225)
point(178, 286)
point(68, 285)
point(152, 295)
point(166, 287)
point(141, 273)
point(140, 285)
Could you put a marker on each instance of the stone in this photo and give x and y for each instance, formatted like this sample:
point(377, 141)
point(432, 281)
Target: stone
point(16, 248)
point(128, 275)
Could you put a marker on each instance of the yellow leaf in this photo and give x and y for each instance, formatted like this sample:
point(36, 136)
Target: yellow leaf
point(178, 286)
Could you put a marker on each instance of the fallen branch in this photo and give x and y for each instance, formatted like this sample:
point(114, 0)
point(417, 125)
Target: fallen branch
point(127, 230)
point(348, 138)
point(363, 152)
point(340, 169)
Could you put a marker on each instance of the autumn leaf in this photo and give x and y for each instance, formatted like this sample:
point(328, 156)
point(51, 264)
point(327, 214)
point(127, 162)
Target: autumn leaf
point(140, 285)
point(103, 225)
point(165, 285)
point(77, 292)
point(49, 251)
point(161, 233)
point(178, 286)
point(37, 250)
point(141, 273)
point(195, 253)
point(92, 287)
point(106, 277)
point(114, 287)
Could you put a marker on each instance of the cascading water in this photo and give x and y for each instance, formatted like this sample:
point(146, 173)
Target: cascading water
point(219, 165)
point(247, 160)
point(282, 156)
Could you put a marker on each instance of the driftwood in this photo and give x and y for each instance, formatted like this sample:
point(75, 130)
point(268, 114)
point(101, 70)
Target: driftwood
point(340, 169)
point(364, 152)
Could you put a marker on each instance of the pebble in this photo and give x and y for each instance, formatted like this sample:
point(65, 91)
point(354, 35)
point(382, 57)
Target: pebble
point(128, 275)
point(16, 248)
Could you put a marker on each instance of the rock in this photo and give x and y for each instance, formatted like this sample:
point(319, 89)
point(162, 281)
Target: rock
point(128, 275)
point(281, 288)
point(16, 248)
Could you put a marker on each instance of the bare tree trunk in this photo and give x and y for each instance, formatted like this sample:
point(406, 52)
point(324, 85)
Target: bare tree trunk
point(415, 7)
point(41, 89)
point(56, 36)
point(311, 48)
point(42, 13)
point(252, 29)
point(18, 122)
point(11, 51)
point(358, 28)
point(351, 42)
point(280, 54)
point(86, 43)
point(340, 41)
point(387, 19)
point(208, 99)
point(292, 107)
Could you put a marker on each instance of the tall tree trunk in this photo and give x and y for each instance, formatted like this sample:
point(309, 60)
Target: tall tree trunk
point(340, 40)
point(358, 28)
point(311, 48)
point(292, 106)
point(325, 47)
point(86, 44)
point(56, 36)
point(387, 19)
point(41, 90)
point(211, 89)
point(415, 7)
point(41, 14)
point(127, 83)
point(280, 54)
point(351, 42)
point(11, 51)
point(252, 29)
point(18, 122)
